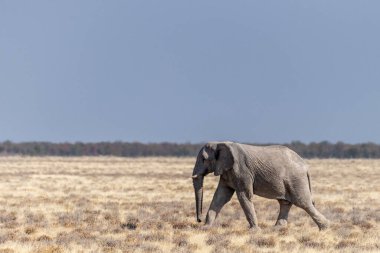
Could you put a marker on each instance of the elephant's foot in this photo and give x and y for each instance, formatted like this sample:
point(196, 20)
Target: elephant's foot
point(209, 222)
point(281, 223)
point(323, 226)
point(210, 217)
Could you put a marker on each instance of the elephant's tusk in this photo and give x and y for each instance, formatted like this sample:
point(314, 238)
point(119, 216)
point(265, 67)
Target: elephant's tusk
point(194, 176)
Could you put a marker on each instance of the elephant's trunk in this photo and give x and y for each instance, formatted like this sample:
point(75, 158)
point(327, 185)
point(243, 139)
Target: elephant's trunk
point(198, 174)
point(198, 189)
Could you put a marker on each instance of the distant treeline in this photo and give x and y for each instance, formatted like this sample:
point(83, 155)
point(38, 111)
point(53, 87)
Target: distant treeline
point(133, 149)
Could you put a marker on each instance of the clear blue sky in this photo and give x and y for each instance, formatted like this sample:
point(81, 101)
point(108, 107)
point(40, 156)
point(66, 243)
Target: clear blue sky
point(152, 71)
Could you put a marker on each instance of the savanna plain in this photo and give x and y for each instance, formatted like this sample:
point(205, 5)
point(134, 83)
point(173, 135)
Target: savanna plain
point(109, 204)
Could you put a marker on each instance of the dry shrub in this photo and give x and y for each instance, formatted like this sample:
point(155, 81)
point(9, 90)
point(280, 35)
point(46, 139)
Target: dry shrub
point(36, 219)
point(221, 249)
point(214, 238)
point(148, 248)
point(307, 241)
point(154, 225)
point(287, 246)
point(83, 202)
point(91, 216)
point(24, 239)
point(314, 244)
point(357, 216)
point(131, 239)
point(49, 249)
point(70, 219)
point(353, 234)
point(83, 234)
point(244, 248)
point(304, 239)
point(345, 244)
point(345, 230)
point(29, 230)
point(283, 231)
point(338, 210)
point(187, 249)
point(269, 242)
point(180, 240)
point(154, 236)
point(6, 217)
point(180, 225)
point(365, 225)
point(333, 213)
point(131, 224)
point(4, 237)
point(264, 242)
point(7, 250)
point(110, 243)
point(225, 224)
point(182, 245)
point(238, 231)
point(7, 237)
point(44, 238)
point(9, 219)
point(79, 236)
point(112, 218)
point(218, 240)
point(264, 225)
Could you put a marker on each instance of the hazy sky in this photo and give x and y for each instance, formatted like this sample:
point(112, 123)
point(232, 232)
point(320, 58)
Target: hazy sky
point(152, 71)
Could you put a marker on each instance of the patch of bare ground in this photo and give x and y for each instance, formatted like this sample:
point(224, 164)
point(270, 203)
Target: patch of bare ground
point(109, 204)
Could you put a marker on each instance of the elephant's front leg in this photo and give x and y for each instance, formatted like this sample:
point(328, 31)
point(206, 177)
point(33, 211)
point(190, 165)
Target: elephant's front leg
point(245, 199)
point(222, 195)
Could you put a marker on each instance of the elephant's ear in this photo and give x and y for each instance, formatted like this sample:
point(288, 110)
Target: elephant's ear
point(225, 159)
point(199, 168)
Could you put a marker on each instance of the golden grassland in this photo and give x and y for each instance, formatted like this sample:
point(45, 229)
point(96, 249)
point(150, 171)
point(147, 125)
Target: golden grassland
point(109, 204)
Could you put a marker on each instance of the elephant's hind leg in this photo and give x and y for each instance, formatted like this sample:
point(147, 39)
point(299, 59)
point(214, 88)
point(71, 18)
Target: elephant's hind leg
point(318, 218)
point(285, 206)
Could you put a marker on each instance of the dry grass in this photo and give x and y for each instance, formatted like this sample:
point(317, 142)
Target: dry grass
point(147, 205)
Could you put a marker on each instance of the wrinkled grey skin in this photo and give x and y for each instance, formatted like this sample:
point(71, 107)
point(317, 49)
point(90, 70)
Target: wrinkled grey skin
point(273, 172)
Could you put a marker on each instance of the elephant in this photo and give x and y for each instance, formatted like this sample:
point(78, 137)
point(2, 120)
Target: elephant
point(273, 172)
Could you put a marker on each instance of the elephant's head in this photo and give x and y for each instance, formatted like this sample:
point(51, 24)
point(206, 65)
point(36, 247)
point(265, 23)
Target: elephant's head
point(216, 157)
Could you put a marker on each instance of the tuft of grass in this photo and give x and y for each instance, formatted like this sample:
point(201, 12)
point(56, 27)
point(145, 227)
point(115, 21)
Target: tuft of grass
point(214, 239)
point(30, 230)
point(345, 244)
point(180, 225)
point(7, 250)
point(35, 219)
point(44, 238)
point(180, 240)
point(131, 224)
point(49, 249)
point(155, 236)
point(263, 242)
point(7, 237)
point(9, 219)
point(149, 248)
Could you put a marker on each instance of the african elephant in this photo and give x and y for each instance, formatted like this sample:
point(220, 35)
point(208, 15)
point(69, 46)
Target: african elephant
point(273, 172)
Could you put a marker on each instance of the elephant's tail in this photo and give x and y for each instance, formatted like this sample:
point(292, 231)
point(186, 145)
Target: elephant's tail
point(308, 179)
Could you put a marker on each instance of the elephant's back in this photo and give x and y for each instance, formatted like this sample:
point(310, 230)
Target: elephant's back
point(274, 155)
